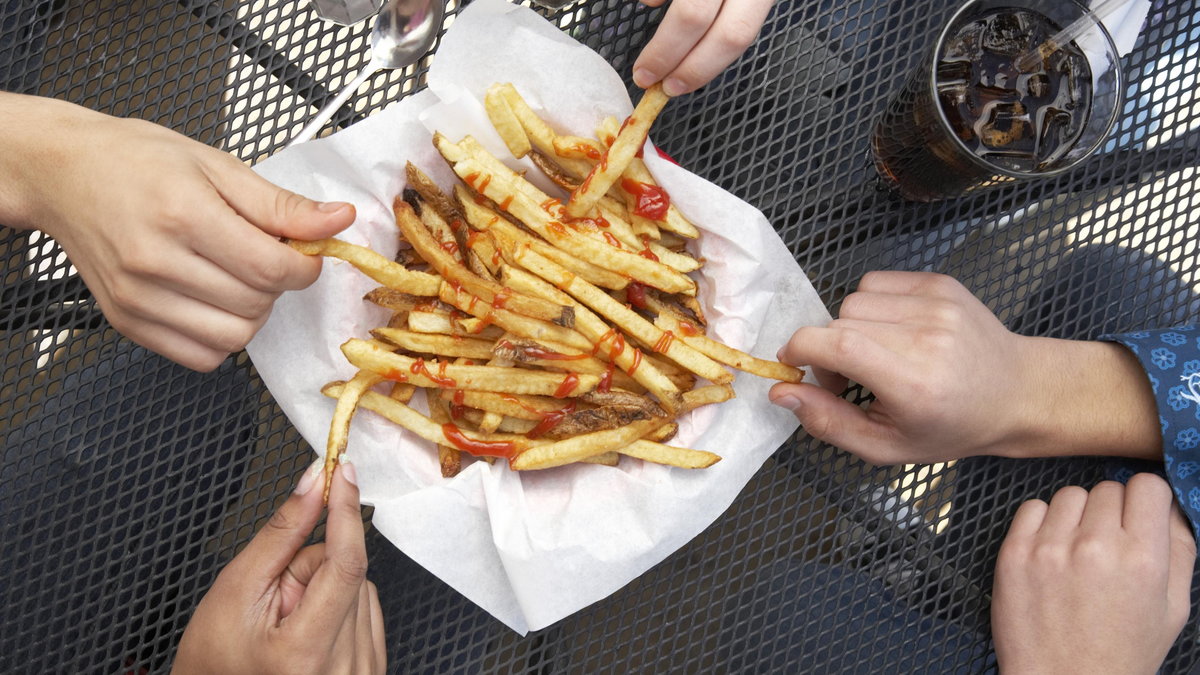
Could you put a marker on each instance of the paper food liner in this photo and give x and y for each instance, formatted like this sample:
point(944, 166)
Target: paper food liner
point(534, 547)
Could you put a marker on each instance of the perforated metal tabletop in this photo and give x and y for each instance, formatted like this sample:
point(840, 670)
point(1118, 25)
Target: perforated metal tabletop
point(128, 481)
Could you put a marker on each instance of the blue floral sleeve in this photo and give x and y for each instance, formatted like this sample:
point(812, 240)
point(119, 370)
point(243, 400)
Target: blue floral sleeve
point(1171, 358)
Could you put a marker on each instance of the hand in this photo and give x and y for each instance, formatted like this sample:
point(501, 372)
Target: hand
point(951, 381)
point(1093, 583)
point(177, 241)
point(696, 40)
point(280, 608)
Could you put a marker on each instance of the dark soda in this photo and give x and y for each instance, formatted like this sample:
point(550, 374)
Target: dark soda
point(1017, 115)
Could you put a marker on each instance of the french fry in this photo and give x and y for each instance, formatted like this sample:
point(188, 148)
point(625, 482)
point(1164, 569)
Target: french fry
point(449, 459)
point(772, 370)
point(372, 264)
point(505, 122)
point(539, 133)
point(659, 453)
point(339, 428)
point(675, 221)
point(402, 391)
point(441, 345)
point(394, 300)
point(510, 321)
point(458, 276)
point(443, 375)
point(578, 448)
point(626, 319)
point(533, 408)
point(494, 445)
point(622, 151)
point(484, 219)
point(593, 328)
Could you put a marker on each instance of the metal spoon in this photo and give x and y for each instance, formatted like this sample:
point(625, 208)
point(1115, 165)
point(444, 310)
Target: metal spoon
point(404, 30)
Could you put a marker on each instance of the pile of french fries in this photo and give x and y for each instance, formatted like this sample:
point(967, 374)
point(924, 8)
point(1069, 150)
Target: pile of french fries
point(542, 332)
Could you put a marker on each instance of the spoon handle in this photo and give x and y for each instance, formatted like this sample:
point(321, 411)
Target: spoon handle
point(332, 107)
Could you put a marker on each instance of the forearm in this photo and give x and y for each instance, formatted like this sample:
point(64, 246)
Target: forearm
point(32, 151)
point(1086, 398)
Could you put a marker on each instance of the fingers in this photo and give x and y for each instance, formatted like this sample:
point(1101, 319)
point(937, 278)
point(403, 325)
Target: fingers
point(1102, 512)
point(928, 284)
point(684, 24)
point(1147, 508)
point(843, 350)
point(835, 420)
point(378, 630)
point(272, 209)
point(275, 546)
point(334, 588)
point(1064, 514)
point(166, 341)
point(298, 574)
point(1182, 564)
point(1028, 520)
point(733, 31)
point(892, 308)
point(256, 258)
point(364, 642)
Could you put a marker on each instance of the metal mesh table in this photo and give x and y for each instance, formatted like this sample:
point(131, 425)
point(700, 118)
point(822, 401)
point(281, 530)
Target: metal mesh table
point(129, 481)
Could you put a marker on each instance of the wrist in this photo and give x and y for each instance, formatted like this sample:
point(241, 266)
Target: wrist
point(1084, 398)
point(33, 152)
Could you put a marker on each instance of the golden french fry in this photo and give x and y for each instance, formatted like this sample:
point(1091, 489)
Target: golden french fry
point(606, 458)
point(539, 133)
point(707, 395)
point(484, 219)
point(512, 322)
point(443, 375)
point(533, 408)
point(473, 443)
point(372, 264)
point(719, 351)
point(505, 122)
point(622, 151)
point(675, 221)
point(442, 345)
point(339, 428)
point(402, 391)
point(659, 453)
point(607, 339)
point(577, 448)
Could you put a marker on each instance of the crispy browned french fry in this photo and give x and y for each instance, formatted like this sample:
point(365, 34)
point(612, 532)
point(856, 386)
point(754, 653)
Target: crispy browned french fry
point(432, 195)
point(449, 459)
point(626, 319)
point(443, 234)
point(623, 150)
point(589, 420)
point(577, 448)
point(662, 434)
point(372, 264)
point(505, 122)
point(666, 454)
point(458, 276)
point(395, 300)
point(369, 356)
point(442, 345)
point(339, 428)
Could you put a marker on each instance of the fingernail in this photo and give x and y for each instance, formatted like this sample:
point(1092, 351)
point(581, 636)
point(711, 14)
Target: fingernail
point(644, 77)
point(788, 401)
point(674, 87)
point(331, 207)
point(347, 469)
point(779, 354)
point(309, 478)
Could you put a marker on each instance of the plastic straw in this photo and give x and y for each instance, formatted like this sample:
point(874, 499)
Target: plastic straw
point(1072, 32)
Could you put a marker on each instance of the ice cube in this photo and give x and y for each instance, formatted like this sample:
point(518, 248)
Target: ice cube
point(1006, 34)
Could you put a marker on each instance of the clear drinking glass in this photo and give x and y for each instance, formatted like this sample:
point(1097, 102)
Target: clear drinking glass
point(976, 115)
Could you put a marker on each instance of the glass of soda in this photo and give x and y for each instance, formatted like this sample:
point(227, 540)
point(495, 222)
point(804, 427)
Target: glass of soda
point(995, 103)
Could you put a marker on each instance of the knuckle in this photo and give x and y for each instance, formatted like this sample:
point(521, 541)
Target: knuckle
point(739, 34)
point(1049, 557)
point(940, 284)
point(936, 340)
point(287, 203)
point(694, 16)
point(270, 272)
point(350, 568)
point(852, 306)
point(846, 343)
point(1092, 552)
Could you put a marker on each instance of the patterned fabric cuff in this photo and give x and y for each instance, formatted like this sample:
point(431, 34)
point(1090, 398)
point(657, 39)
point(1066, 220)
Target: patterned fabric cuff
point(1171, 359)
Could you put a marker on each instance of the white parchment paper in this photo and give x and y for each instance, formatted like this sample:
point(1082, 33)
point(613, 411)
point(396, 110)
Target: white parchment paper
point(529, 548)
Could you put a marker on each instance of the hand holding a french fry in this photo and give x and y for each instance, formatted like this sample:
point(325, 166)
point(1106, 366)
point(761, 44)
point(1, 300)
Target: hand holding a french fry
point(951, 381)
point(281, 607)
point(696, 40)
point(177, 241)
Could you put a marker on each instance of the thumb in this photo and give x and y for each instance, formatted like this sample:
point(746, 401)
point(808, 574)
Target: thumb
point(271, 550)
point(276, 211)
point(833, 419)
